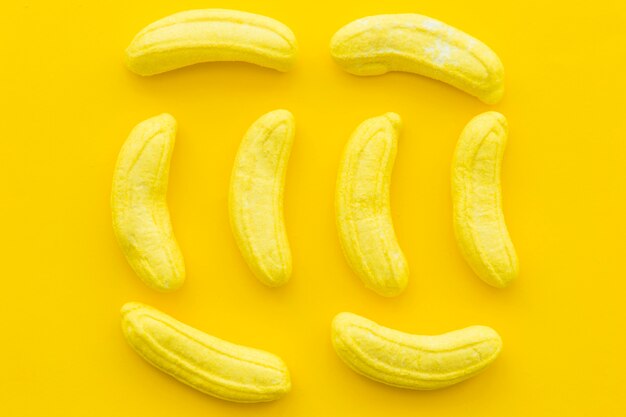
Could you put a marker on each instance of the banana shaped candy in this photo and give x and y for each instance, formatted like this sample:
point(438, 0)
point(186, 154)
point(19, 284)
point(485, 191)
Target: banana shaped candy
point(411, 361)
point(195, 36)
point(363, 209)
point(256, 197)
point(210, 365)
point(478, 219)
point(141, 219)
point(419, 44)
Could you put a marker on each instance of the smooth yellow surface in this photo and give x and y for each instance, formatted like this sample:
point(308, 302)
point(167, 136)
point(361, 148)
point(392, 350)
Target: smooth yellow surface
point(211, 365)
point(362, 206)
point(68, 104)
point(141, 219)
point(479, 224)
point(405, 360)
point(256, 197)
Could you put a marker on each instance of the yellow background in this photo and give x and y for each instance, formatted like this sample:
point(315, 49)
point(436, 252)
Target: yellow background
point(68, 104)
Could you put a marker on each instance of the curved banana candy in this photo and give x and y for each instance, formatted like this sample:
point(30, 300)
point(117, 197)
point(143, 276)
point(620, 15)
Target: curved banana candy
point(256, 197)
point(478, 219)
point(210, 365)
point(141, 220)
point(195, 36)
point(414, 43)
point(411, 361)
point(362, 206)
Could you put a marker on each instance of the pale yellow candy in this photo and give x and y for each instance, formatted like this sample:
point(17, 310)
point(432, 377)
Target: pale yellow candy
point(208, 35)
point(256, 197)
point(141, 219)
point(476, 194)
point(210, 365)
point(419, 44)
point(411, 361)
point(362, 206)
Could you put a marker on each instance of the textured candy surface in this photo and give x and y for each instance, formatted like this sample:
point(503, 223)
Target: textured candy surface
point(209, 35)
point(419, 44)
point(206, 363)
point(413, 361)
point(479, 225)
point(363, 209)
point(256, 197)
point(141, 219)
